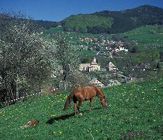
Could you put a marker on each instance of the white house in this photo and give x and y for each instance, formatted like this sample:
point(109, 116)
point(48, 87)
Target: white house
point(113, 83)
point(112, 67)
point(96, 82)
point(84, 67)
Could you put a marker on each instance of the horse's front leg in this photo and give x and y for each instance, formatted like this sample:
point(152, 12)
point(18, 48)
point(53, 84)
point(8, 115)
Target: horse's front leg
point(90, 109)
point(75, 108)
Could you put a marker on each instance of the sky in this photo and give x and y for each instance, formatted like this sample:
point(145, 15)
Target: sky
point(57, 10)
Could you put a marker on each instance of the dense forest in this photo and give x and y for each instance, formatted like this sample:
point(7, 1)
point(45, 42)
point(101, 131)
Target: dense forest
point(114, 21)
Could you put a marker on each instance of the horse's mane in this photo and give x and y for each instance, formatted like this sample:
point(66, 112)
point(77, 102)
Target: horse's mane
point(99, 92)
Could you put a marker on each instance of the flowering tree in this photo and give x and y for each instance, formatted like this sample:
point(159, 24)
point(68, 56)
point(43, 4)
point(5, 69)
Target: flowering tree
point(67, 58)
point(24, 58)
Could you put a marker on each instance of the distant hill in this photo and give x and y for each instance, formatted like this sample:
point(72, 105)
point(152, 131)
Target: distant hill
point(87, 23)
point(100, 22)
point(114, 21)
point(36, 24)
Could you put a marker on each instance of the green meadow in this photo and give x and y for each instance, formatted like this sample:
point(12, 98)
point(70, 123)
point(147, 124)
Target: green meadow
point(135, 112)
point(147, 35)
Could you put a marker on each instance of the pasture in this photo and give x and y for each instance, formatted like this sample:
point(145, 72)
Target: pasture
point(135, 111)
point(146, 35)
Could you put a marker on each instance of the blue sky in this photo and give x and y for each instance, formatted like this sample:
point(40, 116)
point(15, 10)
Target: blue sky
point(56, 10)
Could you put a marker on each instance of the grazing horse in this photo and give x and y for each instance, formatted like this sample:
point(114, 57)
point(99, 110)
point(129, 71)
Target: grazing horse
point(81, 94)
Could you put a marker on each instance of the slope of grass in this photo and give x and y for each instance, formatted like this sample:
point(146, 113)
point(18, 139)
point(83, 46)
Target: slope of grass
point(134, 111)
point(147, 35)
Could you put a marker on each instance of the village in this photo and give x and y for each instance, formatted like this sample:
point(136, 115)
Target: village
point(109, 73)
point(113, 75)
point(103, 44)
point(104, 47)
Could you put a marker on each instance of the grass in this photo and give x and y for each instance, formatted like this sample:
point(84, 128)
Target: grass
point(134, 112)
point(147, 35)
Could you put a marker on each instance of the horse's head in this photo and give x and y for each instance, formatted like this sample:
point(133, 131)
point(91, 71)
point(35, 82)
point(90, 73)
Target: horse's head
point(104, 102)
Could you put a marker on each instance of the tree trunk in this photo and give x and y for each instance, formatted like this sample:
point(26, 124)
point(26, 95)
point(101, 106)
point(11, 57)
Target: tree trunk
point(9, 85)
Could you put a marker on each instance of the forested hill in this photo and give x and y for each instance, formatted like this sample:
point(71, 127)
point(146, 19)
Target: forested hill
point(101, 22)
point(6, 18)
point(114, 21)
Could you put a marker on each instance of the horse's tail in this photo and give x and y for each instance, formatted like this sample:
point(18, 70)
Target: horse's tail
point(68, 102)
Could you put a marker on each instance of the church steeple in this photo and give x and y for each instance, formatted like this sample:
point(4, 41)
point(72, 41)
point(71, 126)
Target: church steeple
point(94, 61)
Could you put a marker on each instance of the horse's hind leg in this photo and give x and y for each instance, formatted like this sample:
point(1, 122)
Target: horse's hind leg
point(79, 104)
point(75, 108)
point(75, 105)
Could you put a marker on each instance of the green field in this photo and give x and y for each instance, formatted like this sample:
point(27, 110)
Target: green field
point(147, 35)
point(135, 111)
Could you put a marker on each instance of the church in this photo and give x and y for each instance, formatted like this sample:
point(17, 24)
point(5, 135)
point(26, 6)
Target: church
point(93, 66)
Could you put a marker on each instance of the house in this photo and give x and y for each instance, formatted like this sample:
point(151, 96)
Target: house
point(93, 66)
point(111, 67)
point(113, 83)
point(96, 82)
point(84, 67)
point(121, 48)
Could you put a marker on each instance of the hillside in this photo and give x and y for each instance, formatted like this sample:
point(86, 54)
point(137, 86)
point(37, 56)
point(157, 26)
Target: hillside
point(101, 22)
point(37, 25)
point(135, 112)
point(146, 35)
point(144, 43)
point(114, 21)
point(87, 23)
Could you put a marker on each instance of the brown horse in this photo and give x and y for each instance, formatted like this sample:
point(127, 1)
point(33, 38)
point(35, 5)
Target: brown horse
point(81, 94)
